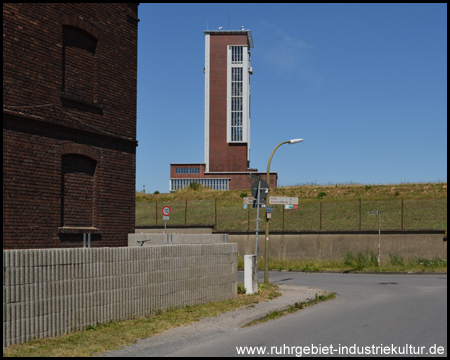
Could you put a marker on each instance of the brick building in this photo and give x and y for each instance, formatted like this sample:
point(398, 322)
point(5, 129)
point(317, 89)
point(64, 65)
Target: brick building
point(69, 124)
point(227, 116)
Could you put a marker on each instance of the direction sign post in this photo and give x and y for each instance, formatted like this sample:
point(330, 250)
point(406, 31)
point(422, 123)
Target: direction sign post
point(260, 190)
point(273, 200)
point(257, 195)
point(166, 212)
point(375, 212)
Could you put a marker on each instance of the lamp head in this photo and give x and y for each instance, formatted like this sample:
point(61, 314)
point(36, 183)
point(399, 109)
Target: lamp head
point(294, 141)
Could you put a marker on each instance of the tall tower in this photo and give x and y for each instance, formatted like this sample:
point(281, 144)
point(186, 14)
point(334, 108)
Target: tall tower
point(227, 100)
point(227, 117)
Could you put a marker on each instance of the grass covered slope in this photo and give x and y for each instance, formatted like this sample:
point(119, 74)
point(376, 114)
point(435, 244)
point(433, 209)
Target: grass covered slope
point(312, 193)
point(330, 207)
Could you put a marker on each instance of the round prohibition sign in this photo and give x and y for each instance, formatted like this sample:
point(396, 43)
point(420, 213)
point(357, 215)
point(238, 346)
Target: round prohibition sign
point(166, 211)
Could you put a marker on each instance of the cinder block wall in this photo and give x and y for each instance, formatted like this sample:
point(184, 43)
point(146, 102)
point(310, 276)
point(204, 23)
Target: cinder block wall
point(48, 292)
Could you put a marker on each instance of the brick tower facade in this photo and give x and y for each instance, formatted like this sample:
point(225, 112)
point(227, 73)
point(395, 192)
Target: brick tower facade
point(227, 116)
point(69, 124)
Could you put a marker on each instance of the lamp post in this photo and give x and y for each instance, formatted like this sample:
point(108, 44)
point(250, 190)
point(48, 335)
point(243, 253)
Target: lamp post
point(266, 257)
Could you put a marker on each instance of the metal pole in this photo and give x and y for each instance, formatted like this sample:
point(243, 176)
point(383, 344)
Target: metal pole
point(248, 219)
point(156, 212)
point(320, 227)
point(89, 240)
point(379, 236)
point(185, 212)
point(283, 217)
point(257, 220)
point(266, 255)
point(84, 240)
point(215, 214)
point(359, 214)
point(165, 222)
point(402, 214)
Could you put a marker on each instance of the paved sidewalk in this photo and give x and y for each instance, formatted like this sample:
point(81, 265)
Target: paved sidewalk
point(209, 328)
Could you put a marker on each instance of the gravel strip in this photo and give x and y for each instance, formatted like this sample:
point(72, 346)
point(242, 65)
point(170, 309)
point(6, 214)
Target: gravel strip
point(207, 329)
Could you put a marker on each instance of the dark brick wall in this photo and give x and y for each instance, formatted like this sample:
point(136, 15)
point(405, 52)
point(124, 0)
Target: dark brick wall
point(222, 156)
point(69, 157)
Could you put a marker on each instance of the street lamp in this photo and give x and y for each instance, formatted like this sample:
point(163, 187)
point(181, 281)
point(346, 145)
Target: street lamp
point(266, 257)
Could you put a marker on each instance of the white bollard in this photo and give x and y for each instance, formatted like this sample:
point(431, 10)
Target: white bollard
point(250, 274)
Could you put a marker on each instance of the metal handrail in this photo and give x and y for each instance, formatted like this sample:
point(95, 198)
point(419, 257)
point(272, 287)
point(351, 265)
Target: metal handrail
point(142, 241)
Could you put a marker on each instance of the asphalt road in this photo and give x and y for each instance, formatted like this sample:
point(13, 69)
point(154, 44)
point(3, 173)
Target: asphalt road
point(386, 314)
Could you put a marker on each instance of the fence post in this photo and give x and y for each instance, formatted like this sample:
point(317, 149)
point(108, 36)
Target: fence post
point(215, 214)
point(185, 213)
point(248, 218)
point(359, 214)
point(402, 214)
point(156, 213)
point(321, 215)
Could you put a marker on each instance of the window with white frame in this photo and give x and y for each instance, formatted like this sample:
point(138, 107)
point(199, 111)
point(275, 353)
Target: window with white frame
point(238, 92)
point(187, 170)
point(214, 184)
point(236, 103)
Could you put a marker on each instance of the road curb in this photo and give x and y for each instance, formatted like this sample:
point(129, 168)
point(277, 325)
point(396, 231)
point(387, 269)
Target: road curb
point(361, 272)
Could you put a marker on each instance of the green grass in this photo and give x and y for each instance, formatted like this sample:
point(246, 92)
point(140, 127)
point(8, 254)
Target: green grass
point(111, 336)
point(424, 207)
point(362, 261)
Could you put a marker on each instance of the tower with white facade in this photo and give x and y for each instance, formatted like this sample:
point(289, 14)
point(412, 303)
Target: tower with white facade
point(227, 116)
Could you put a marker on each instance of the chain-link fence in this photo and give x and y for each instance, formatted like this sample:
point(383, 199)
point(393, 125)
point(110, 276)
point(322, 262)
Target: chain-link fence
point(350, 215)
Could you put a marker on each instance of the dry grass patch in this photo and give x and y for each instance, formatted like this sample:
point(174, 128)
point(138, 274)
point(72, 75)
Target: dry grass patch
point(111, 336)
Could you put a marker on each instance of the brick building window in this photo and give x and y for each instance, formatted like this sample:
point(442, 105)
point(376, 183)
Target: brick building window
point(187, 171)
point(214, 184)
point(236, 103)
point(78, 68)
point(238, 97)
point(78, 190)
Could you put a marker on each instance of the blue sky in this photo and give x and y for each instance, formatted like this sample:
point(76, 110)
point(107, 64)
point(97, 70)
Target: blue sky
point(365, 86)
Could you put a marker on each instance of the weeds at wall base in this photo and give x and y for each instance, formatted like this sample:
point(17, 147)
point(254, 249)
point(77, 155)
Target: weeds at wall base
point(363, 261)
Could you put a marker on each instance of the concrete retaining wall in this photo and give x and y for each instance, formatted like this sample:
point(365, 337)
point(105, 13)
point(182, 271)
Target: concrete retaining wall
point(48, 292)
point(333, 245)
point(176, 239)
point(206, 229)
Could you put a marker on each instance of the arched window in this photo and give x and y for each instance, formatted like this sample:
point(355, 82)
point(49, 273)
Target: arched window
point(78, 190)
point(79, 62)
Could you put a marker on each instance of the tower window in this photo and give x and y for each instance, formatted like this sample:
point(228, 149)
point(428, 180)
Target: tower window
point(236, 101)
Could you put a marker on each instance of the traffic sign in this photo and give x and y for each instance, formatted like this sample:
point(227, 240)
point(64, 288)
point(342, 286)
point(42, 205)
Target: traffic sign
point(249, 200)
point(255, 177)
point(263, 189)
point(269, 209)
point(289, 207)
point(375, 212)
point(166, 211)
point(273, 200)
point(166, 218)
